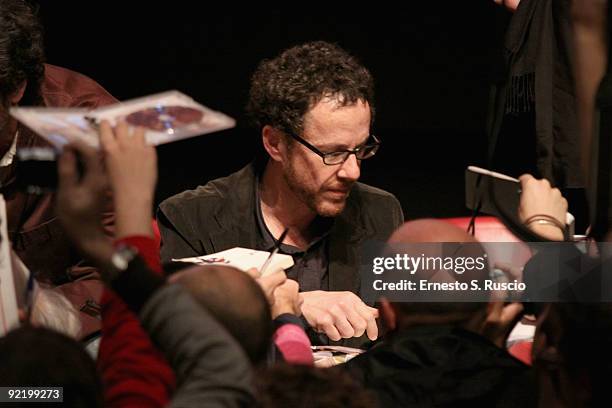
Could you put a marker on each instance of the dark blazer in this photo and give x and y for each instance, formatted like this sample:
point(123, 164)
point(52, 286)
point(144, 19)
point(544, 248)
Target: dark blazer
point(221, 215)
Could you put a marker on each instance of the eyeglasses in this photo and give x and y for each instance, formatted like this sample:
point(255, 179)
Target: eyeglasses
point(332, 158)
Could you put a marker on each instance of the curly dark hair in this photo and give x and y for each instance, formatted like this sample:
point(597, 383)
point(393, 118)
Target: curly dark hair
point(283, 89)
point(21, 50)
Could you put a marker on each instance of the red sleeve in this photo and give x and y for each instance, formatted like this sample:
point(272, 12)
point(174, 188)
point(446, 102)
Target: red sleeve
point(148, 249)
point(134, 372)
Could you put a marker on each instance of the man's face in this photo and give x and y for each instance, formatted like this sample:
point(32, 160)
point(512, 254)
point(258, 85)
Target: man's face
point(329, 127)
point(8, 124)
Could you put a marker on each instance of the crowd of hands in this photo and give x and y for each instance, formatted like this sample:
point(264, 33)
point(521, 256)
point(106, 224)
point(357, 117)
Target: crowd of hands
point(126, 167)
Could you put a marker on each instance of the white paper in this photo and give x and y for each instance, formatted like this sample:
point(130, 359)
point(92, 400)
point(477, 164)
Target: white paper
point(243, 259)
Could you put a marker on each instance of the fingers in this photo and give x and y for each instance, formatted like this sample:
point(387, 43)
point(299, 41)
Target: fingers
point(362, 319)
point(345, 329)
point(253, 273)
point(357, 322)
point(321, 321)
point(270, 271)
point(339, 314)
point(525, 178)
point(270, 282)
point(66, 169)
point(139, 136)
point(511, 313)
point(89, 157)
point(371, 327)
point(353, 320)
point(274, 279)
point(327, 325)
point(502, 318)
point(120, 136)
point(107, 137)
point(494, 311)
point(286, 299)
point(528, 178)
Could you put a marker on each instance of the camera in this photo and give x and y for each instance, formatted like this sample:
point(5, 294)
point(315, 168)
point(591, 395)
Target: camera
point(37, 170)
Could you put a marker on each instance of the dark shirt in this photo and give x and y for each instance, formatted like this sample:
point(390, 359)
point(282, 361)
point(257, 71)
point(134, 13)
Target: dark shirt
point(311, 265)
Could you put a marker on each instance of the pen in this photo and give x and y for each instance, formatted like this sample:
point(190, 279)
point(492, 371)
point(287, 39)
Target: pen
point(274, 251)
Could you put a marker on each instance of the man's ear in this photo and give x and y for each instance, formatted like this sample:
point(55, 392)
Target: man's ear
point(387, 314)
point(15, 97)
point(274, 142)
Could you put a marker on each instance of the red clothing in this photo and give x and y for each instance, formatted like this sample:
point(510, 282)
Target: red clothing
point(522, 351)
point(37, 236)
point(134, 372)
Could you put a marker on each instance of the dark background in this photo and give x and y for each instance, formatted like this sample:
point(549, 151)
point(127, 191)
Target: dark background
point(433, 67)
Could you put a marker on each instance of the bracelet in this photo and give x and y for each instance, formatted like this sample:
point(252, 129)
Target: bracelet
point(545, 219)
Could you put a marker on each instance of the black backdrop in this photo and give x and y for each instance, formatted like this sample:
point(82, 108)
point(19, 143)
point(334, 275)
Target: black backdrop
point(432, 65)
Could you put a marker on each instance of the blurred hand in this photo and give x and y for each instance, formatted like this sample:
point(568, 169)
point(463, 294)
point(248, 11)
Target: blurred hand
point(538, 197)
point(80, 200)
point(287, 299)
point(269, 283)
point(339, 314)
point(510, 273)
point(131, 166)
point(282, 293)
point(500, 321)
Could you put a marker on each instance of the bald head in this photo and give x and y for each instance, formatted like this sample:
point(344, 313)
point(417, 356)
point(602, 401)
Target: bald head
point(429, 230)
point(236, 301)
point(456, 243)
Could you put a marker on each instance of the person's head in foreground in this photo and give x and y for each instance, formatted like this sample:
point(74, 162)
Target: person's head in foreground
point(236, 301)
point(38, 357)
point(470, 314)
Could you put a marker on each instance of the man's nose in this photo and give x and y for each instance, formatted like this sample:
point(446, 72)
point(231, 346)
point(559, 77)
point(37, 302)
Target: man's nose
point(350, 169)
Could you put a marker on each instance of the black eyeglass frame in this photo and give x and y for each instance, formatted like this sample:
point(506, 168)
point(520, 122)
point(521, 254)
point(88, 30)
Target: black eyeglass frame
point(324, 156)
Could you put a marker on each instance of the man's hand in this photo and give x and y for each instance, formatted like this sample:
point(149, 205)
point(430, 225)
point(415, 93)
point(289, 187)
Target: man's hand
point(131, 166)
point(538, 197)
point(339, 314)
point(80, 200)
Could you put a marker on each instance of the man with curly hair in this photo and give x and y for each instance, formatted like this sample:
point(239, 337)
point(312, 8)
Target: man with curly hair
point(313, 108)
